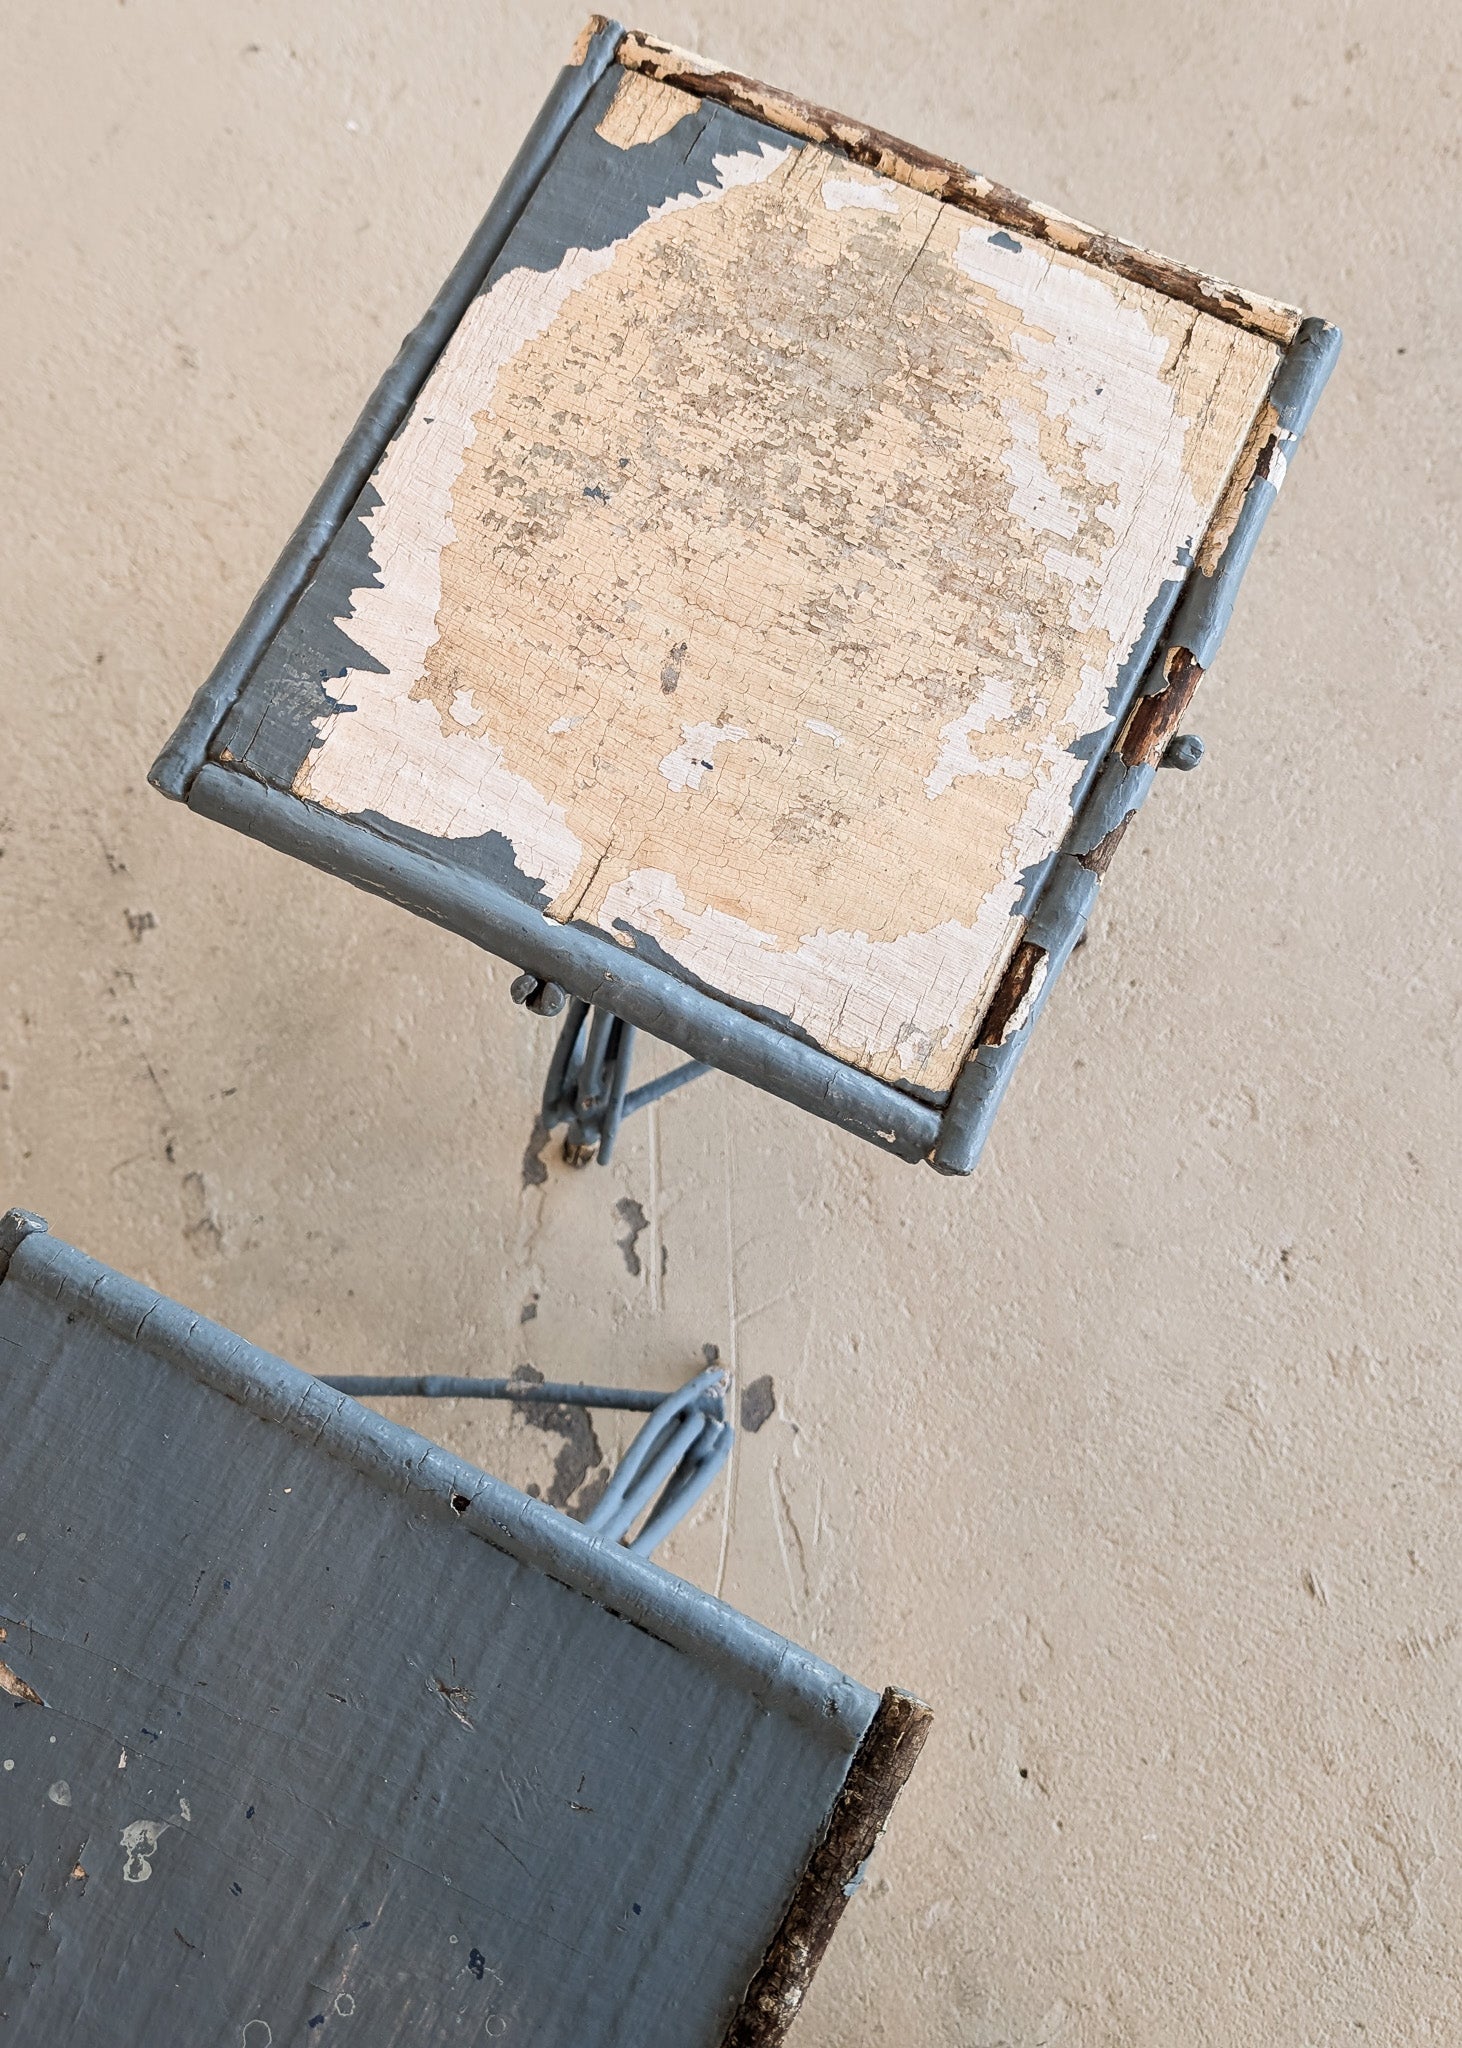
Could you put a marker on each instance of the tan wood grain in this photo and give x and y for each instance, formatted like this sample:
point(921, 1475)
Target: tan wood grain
point(759, 577)
point(937, 175)
point(636, 115)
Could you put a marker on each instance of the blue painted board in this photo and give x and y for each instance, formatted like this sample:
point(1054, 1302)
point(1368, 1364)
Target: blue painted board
point(310, 1730)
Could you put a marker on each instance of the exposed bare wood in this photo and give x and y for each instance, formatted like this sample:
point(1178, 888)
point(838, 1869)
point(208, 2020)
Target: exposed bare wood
point(758, 577)
point(637, 116)
point(15, 1687)
point(879, 1772)
point(1019, 985)
point(1154, 720)
point(915, 167)
point(1226, 517)
point(586, 35)
point(1097, 859)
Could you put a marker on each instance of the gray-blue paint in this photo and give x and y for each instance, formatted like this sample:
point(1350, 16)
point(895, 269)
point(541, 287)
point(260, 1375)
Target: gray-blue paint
point(1184, 751)
point(600, 193)
point(1120, 790)
point(435, 1386)
point(586, 963)
point(488, 855)
point(417, 1751)
point(784, 1679)
point(278, 717)
point(15, 1226)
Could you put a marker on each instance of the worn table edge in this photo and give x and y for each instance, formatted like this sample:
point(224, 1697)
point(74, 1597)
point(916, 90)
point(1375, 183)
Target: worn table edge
point(1130, 761)
point(906, 164)
point(878, 1773)
point(587, 963)
point(782, 1677)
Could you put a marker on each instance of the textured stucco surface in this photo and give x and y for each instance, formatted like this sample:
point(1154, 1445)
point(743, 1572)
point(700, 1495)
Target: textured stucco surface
point(1137, 1456)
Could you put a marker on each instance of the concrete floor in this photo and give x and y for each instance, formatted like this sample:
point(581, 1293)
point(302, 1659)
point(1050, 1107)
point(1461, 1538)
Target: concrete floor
point(1137, 1456)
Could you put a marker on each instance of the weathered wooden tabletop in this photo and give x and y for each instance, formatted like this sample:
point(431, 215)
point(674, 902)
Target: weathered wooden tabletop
point(763, 563)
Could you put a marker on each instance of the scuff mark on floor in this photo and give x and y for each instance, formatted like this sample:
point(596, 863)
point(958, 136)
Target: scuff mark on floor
point(535, 1172)
point(758, 1404)
point(579, 1458)
point(636, 1222)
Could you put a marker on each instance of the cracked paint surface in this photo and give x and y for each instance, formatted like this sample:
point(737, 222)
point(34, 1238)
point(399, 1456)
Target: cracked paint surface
point(805, 453)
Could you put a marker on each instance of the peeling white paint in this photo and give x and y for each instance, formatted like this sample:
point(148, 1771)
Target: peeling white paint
point(864, 996)
point(139, 1842)
point(1275, 468)
point(1020, 633)
point(454, 788)
point(693, 760)
point(900, 996)
point(390, 753)
point(996, 701)
point(395, 620)
point(1121, 424)
point(838, 193)
point(1120, 421)
point(745, 167)
point(1037, 498)
point(824, 730)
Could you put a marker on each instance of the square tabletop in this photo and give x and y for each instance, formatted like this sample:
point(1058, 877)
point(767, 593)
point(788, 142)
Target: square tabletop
point(758, 568)
point(758, 596)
